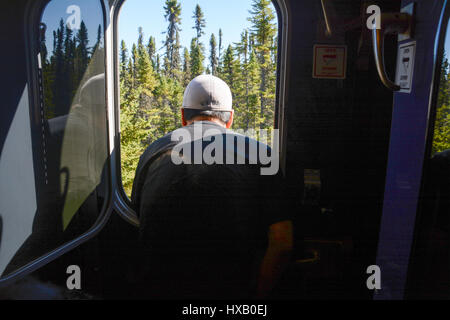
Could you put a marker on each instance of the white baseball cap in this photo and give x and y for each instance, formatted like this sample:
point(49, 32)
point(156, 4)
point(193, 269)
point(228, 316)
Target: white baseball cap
point(207, 92)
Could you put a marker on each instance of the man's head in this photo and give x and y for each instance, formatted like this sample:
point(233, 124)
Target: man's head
point(207, 98)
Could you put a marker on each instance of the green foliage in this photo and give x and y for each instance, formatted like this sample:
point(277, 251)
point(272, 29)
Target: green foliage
point(172, 59)
point(186, 67)
point(213, 61)
point(196, 57)
point(263, 32)
point(152, 87)
point(441, 139)
point(71, 61)
point(199, 21)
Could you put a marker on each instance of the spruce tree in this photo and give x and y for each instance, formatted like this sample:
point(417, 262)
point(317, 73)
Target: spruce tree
point(197, 57)
point(219, 56)
point(228, 73)
point(144, 70)
point(199, 22)
point(70, 83)
point(172, 43)
point(99, 38)
point(58, 61)
point(82, 50)
point(123, 56)
point(151, 48)
point(186, 67)
point(264, 30)
point(134, 58)
point(213, 62)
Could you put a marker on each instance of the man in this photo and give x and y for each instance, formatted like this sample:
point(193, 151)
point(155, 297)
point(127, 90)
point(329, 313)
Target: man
point(209, 229)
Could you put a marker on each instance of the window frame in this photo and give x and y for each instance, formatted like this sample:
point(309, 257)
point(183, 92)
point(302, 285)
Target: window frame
point(122, 201)
point(443, 32)
point(31, 18)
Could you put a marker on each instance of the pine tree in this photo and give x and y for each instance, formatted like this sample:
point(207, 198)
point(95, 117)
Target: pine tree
point(264, 30)
point(123, 59)
point(47, 77)
point(82, 50)
point(186, 67)
point(58, 62)
point(172, 43)
point(242, 47)
point(197, 58)
point(246, 110)
point(228, 73)
point(144, 70)
point(99, 38)
point(69, 68)
point(134, 58)
point(199, 22)
point(197, 49)
point(219, 57)
point(220, 43)
point(213, 62)
point(134, 131)
point(158, 63)
point(151, 48)
point(253, 117)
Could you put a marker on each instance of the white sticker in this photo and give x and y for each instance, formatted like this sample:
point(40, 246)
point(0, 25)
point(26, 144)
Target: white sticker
point(330, 61)
point(405, 66)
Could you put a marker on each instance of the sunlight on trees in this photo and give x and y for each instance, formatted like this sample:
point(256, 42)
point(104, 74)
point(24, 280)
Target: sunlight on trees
point(441, 139)
point(151, 94)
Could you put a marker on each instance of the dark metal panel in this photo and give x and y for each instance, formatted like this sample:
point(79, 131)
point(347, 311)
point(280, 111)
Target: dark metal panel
point(12, 62)
point(406, 154)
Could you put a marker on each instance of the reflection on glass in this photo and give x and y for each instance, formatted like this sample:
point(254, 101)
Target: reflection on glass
point(74, 98)
point(73, 133)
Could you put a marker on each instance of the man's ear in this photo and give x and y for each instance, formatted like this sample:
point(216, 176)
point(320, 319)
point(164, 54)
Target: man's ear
point(183, 120)
point(230, 122)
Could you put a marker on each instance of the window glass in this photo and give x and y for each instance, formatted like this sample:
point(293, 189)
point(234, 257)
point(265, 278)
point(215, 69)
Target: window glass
point(166, 43)
point(431, 263)
point(441, 137)
point(70, 137)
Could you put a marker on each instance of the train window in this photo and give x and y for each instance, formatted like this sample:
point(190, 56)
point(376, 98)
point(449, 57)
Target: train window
point(166, 43)
point(441, 135)
point(430, 268)
point(68, 133)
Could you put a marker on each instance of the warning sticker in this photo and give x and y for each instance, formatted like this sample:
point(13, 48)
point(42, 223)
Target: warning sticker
point(405, 66)
point(330, 61)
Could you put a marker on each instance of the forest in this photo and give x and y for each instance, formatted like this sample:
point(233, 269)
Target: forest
point(441, 138)
point(153, 77)
point(152, 84)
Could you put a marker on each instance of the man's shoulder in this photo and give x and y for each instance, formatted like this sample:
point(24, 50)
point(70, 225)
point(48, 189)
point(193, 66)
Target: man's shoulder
point(159, 145)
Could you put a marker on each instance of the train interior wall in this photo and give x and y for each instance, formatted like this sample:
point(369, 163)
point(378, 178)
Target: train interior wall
point(336, 128)
point(339, 128)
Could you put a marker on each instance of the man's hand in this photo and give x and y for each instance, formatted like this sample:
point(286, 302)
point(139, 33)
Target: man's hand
point(277, 257)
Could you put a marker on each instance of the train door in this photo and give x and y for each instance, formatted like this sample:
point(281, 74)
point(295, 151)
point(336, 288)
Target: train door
point(406, 255)
point(356, 141)
point(55, 185)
